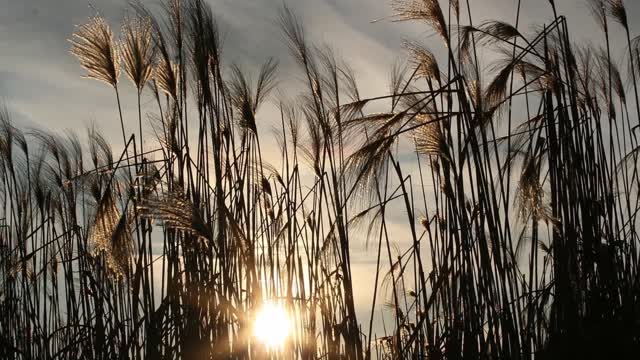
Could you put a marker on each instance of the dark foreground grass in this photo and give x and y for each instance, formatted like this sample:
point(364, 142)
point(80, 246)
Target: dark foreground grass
point(519, 183)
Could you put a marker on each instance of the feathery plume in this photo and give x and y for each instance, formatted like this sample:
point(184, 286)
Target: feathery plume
point(429, 138)
point(177, 212)
point(138, 51)
point(93, 45)
point(599, 12)
point(428, 11)
point(111, 233)
point(455, 4)
point(618, 12)
point(424, 60)
point(167, 78)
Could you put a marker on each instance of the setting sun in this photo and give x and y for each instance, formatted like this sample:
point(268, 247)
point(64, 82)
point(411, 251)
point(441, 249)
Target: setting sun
point(272, 325)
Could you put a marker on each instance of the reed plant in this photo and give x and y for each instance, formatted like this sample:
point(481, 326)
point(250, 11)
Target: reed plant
point(518, 183)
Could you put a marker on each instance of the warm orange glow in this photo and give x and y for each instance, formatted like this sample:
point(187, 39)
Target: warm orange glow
point(272, 325)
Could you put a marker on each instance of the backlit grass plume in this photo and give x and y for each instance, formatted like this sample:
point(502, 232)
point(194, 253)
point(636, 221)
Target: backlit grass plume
point(428, 11)
point(138, 50)
point(95, 48)
point(166, 75)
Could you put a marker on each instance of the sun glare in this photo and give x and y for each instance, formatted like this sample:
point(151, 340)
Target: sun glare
point(272, 325)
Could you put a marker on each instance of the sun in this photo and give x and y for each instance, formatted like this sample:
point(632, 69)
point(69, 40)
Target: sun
point(272, 325)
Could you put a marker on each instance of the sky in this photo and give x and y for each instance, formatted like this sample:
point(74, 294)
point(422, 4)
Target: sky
point(41, 84)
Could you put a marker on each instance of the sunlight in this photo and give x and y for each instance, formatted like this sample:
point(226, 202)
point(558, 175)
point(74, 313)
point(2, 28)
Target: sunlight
point(272, 325)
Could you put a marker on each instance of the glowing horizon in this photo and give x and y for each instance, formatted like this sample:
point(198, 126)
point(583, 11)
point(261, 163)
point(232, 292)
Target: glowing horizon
point(272, 325)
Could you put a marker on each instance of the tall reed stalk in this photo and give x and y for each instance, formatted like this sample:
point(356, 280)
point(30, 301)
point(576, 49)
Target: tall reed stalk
point(518, 184)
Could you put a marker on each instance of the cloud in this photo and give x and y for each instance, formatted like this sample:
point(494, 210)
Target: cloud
point(39, 74)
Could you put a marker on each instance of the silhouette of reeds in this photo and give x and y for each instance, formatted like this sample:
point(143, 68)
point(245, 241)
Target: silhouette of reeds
point(520, 196)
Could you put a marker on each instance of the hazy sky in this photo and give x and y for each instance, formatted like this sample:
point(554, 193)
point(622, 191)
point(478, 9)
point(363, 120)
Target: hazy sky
point(41, 82)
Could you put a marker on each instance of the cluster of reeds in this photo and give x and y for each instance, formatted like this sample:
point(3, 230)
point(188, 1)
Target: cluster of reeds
point(519, 183)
